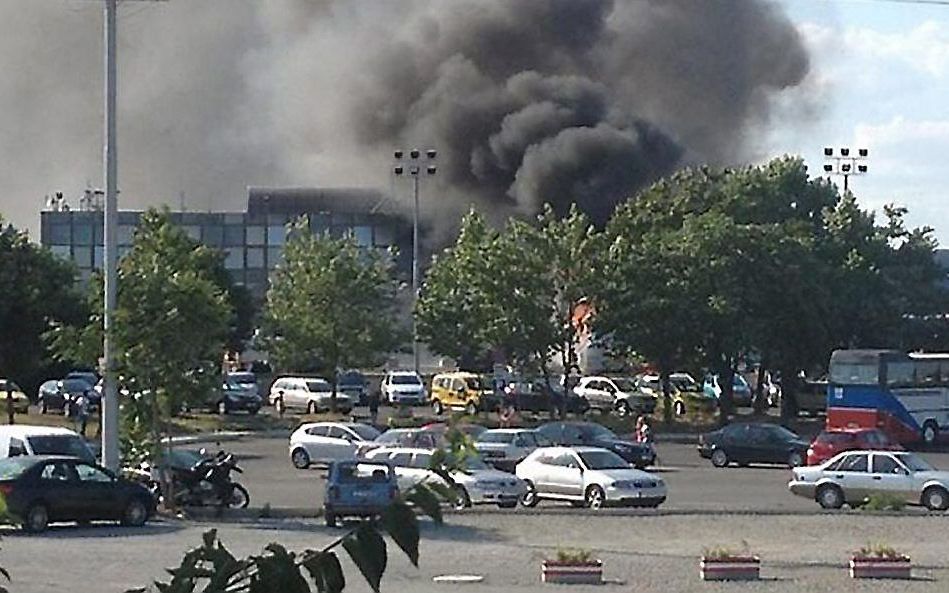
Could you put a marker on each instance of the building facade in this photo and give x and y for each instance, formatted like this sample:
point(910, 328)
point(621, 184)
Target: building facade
point(252, 241)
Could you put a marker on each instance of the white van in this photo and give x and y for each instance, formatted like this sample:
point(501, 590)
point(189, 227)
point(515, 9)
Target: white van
point(23, 439)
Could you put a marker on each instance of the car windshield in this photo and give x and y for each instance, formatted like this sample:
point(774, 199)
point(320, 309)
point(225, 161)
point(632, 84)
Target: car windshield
point(596, 431)
point(473, 463)
point(624, 384)
point(366, 433)
point(474, 383)
point(835, 438)
point(603, 460)
point(405, 380)
point(243, 378)
point(350, 379)
point(317, 385)
point(496, 437)
point(783, 433)
point(12, 468)
point(61, 444)
point(685, 384)
point(914, 462)
point(392, 436)
point(72, 385)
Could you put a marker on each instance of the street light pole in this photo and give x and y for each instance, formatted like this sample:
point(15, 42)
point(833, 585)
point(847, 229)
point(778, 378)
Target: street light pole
point(415, 170)
point(110, 402)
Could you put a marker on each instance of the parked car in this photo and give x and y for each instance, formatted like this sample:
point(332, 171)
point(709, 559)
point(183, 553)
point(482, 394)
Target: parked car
point(506, 447)
point(40, 490)
point(246, 380)
point(753, 442)
point(313, 394)
point(234, 397)
point(741, 390)
point(476, 484)
point(25, 439)
point(21, 403)
point(811, 396)
point(686, 393)
point(403, 387)
point(535, 396)
point(615, 394)
point(323, 442)
point(358, 489)
point(587, 476)
point(852, 476)
point(88, 376)
point(831, 442)
point(56, 394)
point(461, 390)
point(354, 384)
point(590, 434)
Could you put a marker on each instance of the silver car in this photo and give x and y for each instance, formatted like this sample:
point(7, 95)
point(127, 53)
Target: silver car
point(852, 476)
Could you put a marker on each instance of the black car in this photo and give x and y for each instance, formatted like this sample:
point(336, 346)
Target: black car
point(591, 434)
point(42, 489)
point(56, 394)
point(353, 384)
point(753, 443)
point(233, 397)
point(536, 396)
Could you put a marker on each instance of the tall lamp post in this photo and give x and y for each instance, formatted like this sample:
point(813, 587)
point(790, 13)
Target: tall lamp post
point(414, 166)
point(845, 163)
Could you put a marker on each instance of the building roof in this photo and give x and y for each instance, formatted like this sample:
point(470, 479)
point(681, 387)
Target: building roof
point(298, 200)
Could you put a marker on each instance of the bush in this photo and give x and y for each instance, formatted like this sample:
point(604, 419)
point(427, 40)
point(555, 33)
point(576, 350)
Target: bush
point(878, 551)
point(574, 555)
point(883, 501)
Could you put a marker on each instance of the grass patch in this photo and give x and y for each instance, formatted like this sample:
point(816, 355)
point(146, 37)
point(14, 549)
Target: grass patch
point(883, 501)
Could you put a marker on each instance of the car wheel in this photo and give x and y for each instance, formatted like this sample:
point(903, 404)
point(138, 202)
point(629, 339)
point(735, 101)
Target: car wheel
point(679, 408)
point(719, 458)
point(471, 409)
point(222, 408)
point(330, 518)
point(300, 458)
point(595, 498)
point(623, 409)
point(530, 499)
point(311, 408)
point(240, 498)
point(830, 496)
point(930, 432)
point(462, 500)
point(935, 498)
point(795, 459)
point(437, 407)
point(37, 518)
point(135, 513)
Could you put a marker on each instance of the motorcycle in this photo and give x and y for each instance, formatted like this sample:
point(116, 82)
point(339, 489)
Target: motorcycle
point(205, 483)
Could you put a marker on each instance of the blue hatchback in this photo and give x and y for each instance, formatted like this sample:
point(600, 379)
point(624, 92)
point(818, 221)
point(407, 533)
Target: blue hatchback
point(358, 489)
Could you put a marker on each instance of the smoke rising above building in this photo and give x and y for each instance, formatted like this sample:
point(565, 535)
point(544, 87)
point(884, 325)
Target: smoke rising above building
point(527, 101)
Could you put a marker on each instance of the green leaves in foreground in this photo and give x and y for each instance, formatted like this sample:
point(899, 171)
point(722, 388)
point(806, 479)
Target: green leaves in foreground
point(211, 568)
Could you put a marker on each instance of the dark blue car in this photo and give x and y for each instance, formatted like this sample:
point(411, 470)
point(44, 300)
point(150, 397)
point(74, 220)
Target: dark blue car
point(358, 489)
point(590, 434)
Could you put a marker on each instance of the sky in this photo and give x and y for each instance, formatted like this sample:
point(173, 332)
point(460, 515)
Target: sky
point(879, 77)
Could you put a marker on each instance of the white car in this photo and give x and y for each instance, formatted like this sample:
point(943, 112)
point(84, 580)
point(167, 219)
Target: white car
point(403, 387)
point(618, 394)
point(323, 442)
point(587, 476)
point(312, 394)
point(852, 476)
point(477, 484)
point(505, 447)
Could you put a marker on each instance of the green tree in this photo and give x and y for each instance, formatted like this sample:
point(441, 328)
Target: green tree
point(171, 322)
point(331, 305)
point(37, 289)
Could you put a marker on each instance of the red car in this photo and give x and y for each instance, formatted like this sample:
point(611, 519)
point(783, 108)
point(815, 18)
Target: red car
point(831, 442)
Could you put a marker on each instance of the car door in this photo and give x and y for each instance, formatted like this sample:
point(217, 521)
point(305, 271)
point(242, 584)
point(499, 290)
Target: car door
point(317, 443)
point(853, 475)
point(735, 443)
point(768, 446)
point(340, 443)
point(60, 488)
point(456, 396)
point(566, 476)
point(890, 477)
point(98, 492)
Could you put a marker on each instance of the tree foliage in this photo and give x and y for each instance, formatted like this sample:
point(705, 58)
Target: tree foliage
point(331, 305)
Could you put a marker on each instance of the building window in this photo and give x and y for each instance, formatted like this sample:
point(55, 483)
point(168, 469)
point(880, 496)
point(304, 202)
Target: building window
point(233, 235)
point(256, 235)
point(276, 234)
point(255, 257)
point(213, 236)
point(125, 233)
point(82, 234)
point(82, 256)
point(194, 232)
point(61, 251)
point(59, 234)
point(234, 259)
point(363, 235)
point(234, 219)
point(98, 256)
point(274, 257)
point(383, 236)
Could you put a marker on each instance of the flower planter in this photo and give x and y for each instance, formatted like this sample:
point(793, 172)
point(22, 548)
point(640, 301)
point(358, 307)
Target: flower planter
point(733, 568)
point(880, 568)
point(572, 573)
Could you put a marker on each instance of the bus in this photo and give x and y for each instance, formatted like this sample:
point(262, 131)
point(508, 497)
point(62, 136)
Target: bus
point(905, 395)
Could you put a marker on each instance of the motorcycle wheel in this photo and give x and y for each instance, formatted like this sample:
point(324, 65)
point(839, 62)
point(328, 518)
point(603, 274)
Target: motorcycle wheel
point(240, 498)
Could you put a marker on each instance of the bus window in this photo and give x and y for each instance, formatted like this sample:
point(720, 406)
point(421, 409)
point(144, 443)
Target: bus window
point(901, 374)
point(927, 373)
point(854, 374)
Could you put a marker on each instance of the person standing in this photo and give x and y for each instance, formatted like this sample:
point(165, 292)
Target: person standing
point(373, 406)
point(82, 413)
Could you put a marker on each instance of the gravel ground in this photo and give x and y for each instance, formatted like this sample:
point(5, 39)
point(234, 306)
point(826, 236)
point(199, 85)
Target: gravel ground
point(650, 554)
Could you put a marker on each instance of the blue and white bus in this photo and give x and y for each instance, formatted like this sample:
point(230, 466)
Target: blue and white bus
point(905, 395)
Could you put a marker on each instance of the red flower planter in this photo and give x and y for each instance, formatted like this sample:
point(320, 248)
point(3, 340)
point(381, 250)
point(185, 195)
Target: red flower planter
point(867, 567)
point(733, 568)
point(572, 573)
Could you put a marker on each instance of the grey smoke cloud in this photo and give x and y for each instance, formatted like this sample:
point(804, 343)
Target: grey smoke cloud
point(527, 101)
